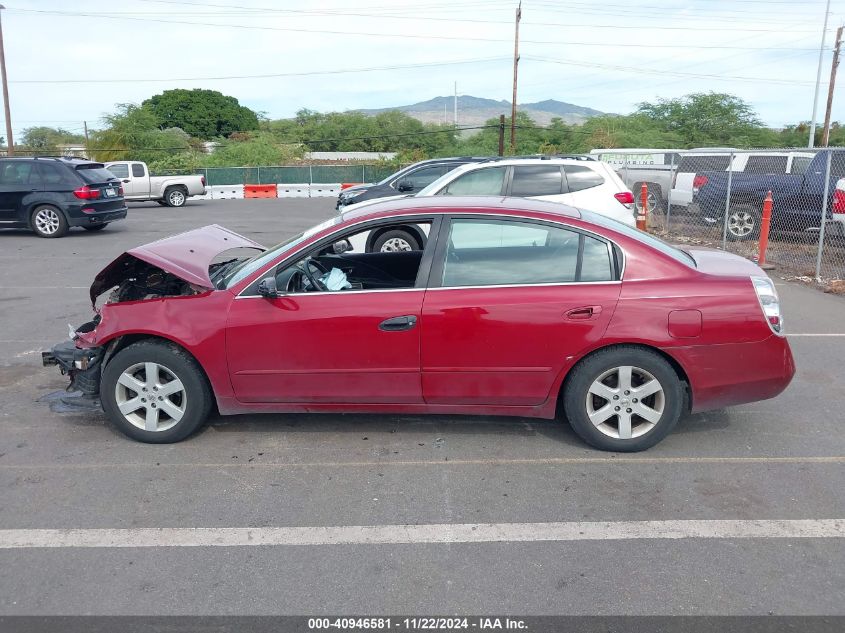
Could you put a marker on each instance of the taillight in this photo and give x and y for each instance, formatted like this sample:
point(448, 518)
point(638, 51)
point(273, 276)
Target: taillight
point(86, 193)
point(838, 201)
point(120, 190)
point(698, 182)
point(769, 302)
point(625, 197)
point(202, 180)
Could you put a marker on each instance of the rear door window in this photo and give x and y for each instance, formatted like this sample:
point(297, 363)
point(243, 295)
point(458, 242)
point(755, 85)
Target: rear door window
point(121, 170)
point(763, 164)
point(138, 170)
point(488, 181)
point(694, 164)
point(579, 178)
point(536, 180)
point(15, 173)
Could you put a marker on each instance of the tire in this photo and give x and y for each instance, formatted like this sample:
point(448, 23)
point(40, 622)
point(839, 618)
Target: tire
point(601, 372)
point(394, 241)
point(48, 221)
point(175, 196)
point(743, 224)
point(190, 402)
point(95, 227)
point(655, 198)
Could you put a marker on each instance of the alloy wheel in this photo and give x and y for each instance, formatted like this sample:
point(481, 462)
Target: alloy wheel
point(47, 221)
point(150, 396)
point(396, 244)
point(741, 223)
point(625, 402)
point(176, 198)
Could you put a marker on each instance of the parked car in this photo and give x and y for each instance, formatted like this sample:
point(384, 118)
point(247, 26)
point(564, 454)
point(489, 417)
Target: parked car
point(835, 228)
point(514, 307)
point(652, 167)
point(408, 180)
point(50, 195)
point(719, 159)
point(798, 196)
point(171, 191)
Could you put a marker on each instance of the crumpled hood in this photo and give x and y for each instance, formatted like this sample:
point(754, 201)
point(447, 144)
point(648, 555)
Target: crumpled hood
point(186, 255)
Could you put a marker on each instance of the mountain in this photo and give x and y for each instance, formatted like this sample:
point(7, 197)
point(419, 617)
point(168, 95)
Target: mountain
point(477, 110)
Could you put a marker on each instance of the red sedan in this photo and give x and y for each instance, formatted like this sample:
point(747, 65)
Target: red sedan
point(511, 307)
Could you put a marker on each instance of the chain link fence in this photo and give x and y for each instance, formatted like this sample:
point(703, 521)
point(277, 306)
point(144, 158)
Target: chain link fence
point(714, 197)
point(306, 174)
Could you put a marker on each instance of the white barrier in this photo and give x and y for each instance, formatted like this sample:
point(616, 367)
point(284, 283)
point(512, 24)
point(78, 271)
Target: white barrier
point(292, 191)
point(223, 192)
point(320, 190)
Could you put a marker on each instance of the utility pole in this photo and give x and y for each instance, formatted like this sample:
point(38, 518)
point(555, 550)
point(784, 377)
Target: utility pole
point(818, 78)
point(501, 135)
point(833, 67)
point(10, 144)
point(515, 66)
point(87, 142)
point(456, 104)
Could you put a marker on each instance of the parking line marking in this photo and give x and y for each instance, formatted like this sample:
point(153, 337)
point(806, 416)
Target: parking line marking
point(548, 461)
point(420, 534)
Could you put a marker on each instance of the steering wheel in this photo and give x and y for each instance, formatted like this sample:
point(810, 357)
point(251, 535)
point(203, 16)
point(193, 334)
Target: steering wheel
point(306, 270)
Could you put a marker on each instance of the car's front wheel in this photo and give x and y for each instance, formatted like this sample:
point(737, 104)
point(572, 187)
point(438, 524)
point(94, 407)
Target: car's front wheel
point(155, 392)
point(623, 399)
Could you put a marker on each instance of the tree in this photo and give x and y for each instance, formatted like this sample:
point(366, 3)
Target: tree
point(205, 114)
point(133, 134)
point(47, 139)
point(712, 118)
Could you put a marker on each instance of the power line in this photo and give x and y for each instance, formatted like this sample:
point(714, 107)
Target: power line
point(264, 76)
point(787, 28)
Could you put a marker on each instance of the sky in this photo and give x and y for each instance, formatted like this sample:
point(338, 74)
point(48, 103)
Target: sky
point(71, 61)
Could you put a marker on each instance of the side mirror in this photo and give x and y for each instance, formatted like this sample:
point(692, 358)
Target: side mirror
point(267, 288)
point(404, 186)
point(341, 247)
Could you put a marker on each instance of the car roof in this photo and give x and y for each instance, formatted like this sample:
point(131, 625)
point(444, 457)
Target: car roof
point(451, 204)
point(59, 159)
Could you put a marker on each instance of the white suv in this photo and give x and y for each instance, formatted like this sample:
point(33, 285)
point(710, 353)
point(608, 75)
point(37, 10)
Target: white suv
point(579, 182)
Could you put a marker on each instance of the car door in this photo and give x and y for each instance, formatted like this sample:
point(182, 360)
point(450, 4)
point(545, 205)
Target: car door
point(347, 346)
point(510, 303)
point(17, 180)
point(138, 186)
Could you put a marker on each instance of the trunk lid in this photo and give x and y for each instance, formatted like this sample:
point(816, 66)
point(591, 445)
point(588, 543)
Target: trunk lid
point(186, 255)
point(715, 262)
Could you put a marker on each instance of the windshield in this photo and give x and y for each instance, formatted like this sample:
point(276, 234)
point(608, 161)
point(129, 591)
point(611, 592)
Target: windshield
point(245, 268)
point(645, 238)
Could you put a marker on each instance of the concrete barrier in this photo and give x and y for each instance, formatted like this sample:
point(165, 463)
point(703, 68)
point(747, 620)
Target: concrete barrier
point(292, 191)
point(319, 190)
point(260, 191)
point(223, 192)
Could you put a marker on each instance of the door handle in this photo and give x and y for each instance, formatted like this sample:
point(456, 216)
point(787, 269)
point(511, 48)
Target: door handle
point(583, 313)
point(398, 324)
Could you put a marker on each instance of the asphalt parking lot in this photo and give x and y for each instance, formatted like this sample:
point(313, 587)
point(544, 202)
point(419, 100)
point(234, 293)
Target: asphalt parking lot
point(782, 459)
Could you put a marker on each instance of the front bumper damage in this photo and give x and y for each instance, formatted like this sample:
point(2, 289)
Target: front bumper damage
point(83, 365)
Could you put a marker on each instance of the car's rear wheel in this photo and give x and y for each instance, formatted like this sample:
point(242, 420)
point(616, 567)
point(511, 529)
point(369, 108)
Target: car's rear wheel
point(95, 227)
point(48, 221)
point(395, 241)
point(175, 196)
point(155, 392)
point(623, 399)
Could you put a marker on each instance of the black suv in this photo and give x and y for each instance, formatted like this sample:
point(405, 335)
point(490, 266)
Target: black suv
point(50, 195)
point(409, 180)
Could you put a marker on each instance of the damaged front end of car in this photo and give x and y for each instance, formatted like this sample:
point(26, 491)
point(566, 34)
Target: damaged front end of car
point(177, 267)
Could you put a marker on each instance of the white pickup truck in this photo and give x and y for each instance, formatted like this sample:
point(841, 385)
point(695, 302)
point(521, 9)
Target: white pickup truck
point(171, 191)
